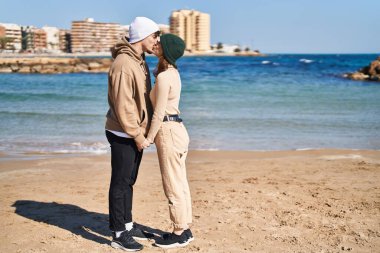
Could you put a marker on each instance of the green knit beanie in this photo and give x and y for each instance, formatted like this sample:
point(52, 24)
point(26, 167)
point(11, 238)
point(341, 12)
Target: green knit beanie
point(173, 47)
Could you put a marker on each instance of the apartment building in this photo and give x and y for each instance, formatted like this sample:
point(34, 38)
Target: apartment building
point(164, 28)
point(33, 39)
point(193, 27)
point(91, 36)
point(13, 32)
point(52, 38)
point(125, 30)
point(40, 39)
point(65, 40)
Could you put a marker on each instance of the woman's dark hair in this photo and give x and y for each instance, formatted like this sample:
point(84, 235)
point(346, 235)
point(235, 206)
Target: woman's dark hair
point(162, 65)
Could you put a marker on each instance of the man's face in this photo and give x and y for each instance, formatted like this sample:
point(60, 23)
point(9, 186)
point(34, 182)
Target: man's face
point(150, 42)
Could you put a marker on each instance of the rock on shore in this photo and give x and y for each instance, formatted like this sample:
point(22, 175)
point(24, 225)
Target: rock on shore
point(54, 65)
point(368, 73)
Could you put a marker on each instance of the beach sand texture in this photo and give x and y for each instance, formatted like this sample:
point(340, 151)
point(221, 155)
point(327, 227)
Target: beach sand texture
point(277, 201)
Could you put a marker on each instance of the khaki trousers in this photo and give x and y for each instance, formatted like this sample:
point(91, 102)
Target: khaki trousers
point(172, 142)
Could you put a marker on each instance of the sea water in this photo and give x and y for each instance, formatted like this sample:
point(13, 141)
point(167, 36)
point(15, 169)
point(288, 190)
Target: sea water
point(278, 102)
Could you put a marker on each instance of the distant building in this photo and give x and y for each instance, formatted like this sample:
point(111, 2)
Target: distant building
point(164, 28)
point(52, 38)
point(33, 39)
point(225, 48)
point(193, 27)
point(27, 37)
point(13, 32)
point(65, 40)
point(40, 41)
point(91, 36)
point(125, 30)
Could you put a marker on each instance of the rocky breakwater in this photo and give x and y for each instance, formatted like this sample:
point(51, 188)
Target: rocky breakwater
point(54, 65)
point(368, 73)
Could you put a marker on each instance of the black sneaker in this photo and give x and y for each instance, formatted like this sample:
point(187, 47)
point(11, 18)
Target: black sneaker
point(125, 242)
point(187, 232)
point(139, 234)
point(172, 241)
point(189, 235)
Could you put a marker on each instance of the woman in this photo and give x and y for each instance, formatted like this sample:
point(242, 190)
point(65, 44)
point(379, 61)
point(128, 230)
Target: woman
point(170, 136)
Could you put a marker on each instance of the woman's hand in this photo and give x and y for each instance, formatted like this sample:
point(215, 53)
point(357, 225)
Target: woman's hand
point(144, 145)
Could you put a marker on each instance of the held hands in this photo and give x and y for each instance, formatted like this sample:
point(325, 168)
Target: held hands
point(144, 145)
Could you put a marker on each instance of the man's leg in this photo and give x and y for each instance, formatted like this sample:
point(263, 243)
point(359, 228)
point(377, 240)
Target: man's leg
point(132, 181)
point(123, 162)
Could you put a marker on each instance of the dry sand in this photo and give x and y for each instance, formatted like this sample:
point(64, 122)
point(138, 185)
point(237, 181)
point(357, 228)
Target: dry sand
point(286, 201)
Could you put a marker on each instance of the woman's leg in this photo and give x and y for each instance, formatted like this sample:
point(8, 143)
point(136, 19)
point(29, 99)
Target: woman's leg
point(189, 213)
point(173, 172)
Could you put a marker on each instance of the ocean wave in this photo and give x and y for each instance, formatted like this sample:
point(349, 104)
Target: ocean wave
point(49, 114)
point(306, 61)
point(40, 96)
point(206, 149)
point(51, 148)
point(96, 148)
point(270, 63)
point(80, 148)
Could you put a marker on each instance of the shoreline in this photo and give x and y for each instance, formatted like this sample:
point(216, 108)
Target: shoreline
point(33, 156)
point(77, 63)
point(108, 55)
point(275, 201)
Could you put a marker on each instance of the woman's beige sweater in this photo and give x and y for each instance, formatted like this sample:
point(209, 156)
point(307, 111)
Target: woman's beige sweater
point(165, 97)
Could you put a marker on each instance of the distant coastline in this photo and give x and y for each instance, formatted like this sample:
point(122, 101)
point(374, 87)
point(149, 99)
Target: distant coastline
point(53, 65)
point(75, 63)
point(106, 54)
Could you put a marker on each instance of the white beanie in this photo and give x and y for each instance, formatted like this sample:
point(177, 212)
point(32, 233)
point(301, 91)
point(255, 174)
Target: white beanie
point(141, 28)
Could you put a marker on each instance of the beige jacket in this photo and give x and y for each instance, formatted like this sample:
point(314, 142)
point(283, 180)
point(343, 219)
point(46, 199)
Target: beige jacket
point(130, 109)
point(165, 98)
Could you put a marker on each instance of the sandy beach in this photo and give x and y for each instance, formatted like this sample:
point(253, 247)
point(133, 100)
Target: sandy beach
point(283, 201)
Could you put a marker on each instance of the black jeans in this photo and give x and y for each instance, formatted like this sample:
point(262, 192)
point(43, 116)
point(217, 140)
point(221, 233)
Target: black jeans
point(125, 163)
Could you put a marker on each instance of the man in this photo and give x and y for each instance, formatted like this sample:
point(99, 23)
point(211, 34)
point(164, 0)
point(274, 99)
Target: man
point(128, 121)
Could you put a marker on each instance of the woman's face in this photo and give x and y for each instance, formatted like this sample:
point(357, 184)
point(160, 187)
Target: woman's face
point(158, 49)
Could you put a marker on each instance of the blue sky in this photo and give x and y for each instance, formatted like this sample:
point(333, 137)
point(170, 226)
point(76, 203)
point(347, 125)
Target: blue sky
point(272, 26)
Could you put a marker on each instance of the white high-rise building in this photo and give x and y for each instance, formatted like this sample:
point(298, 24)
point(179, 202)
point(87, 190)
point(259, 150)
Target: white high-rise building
point(52, 37)
point(164, 28)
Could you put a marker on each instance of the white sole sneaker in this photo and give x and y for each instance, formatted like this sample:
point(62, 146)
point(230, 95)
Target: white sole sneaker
point(171, 246)
point(118, 246)
point(140, 238)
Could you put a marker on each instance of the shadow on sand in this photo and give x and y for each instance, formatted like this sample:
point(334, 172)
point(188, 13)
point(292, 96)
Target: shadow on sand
point(89, 225)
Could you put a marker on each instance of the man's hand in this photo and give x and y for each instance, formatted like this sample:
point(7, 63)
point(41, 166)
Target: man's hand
point(145, 144)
